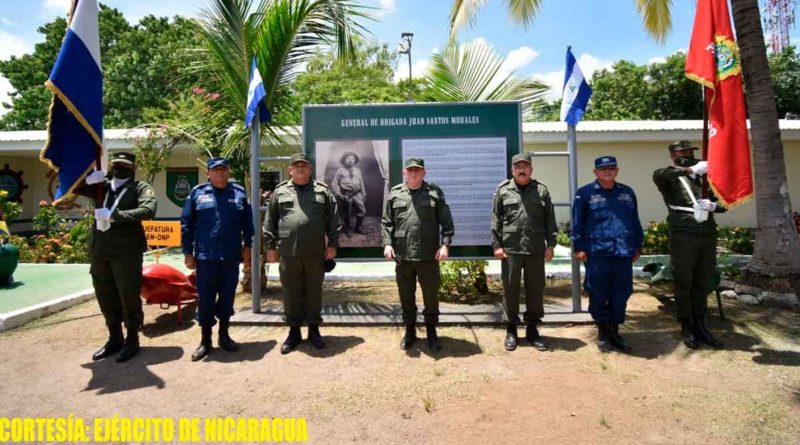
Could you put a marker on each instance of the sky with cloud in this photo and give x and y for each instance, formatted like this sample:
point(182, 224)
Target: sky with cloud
point(599, 31)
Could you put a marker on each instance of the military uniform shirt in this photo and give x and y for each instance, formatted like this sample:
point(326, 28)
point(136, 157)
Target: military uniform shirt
point(299, 218)
point(668, 182)
point(523, 221)
point(411, 222)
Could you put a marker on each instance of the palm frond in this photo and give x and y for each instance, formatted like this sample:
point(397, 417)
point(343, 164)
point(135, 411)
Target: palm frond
point(657, 17)
point(474, 73)
point(463, 13)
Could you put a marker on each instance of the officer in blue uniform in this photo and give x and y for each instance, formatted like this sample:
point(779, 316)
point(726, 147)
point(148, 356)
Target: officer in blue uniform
point(216, 234)
point(607, 235)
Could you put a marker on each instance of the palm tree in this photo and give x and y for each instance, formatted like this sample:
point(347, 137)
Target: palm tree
point(473, 73)
point(283, 35)
point(777, 246)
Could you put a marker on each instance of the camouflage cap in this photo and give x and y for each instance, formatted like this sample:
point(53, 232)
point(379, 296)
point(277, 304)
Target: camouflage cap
point(216, 162)
point(299, 157)
point(521, 157)
point(415, 163)
point(681, 145)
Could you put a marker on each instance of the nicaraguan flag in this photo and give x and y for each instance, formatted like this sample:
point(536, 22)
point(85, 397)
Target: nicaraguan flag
point(576, 92)
point(75, 127)
point(255, 98)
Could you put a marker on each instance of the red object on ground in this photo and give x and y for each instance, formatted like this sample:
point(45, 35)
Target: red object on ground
point(165, 285)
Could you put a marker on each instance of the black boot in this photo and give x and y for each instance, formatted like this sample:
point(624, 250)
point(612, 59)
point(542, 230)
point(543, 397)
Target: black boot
point(225, 340)
point(410, 337)
point(360, 230)
point(315, 337)
point(205, 344)
point(433, 339)
point(617, 339)
point(511, 337)
point(346, 227)
point(687, 331)
point(702, 334)
point(131, 345)
point(532, 335)
point(113, 345)
point(291, 342)
point(603, 341)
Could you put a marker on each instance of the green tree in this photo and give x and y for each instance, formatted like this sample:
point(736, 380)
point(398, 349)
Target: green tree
point(149, 68)
point(620, 93)
point(366, 78)
point(777, 249)
point(473, 73)
point(142, 68)
point(785, 67)
point(672, 94)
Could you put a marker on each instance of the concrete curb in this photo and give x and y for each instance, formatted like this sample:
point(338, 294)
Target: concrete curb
point(13, 319)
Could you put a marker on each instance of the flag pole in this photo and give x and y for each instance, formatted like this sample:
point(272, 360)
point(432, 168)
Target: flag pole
point(255, 203)
point(704, 192)
point(572, 149)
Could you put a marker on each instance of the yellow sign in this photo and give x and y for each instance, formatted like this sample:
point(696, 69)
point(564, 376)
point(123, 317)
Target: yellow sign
point(162, 233)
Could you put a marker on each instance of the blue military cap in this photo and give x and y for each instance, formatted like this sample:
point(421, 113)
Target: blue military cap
point(216, 162)
point(605, 161)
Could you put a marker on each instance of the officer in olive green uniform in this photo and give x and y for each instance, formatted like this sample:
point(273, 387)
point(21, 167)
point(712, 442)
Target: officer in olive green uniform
point(692, 240)
point(117, 246)
point(523, 237)
point(301, 214)
point(412, 217)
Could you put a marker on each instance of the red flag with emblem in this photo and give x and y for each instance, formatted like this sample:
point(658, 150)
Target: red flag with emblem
point(713, 61)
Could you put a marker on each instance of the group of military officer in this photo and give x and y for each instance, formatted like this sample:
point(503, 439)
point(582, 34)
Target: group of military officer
point(302, 229)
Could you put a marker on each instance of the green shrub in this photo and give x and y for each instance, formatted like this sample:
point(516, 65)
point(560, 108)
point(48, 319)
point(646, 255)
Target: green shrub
point(736, 239)
point(656, 239)
point(463, 282)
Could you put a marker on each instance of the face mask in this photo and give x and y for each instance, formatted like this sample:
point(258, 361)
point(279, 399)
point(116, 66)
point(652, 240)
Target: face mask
point(121, 173)
point(685, 161)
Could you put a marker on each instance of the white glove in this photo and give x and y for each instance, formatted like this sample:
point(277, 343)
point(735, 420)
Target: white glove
point(700, 168)
point(708, 205)
point(102, 219)
point(96, 177)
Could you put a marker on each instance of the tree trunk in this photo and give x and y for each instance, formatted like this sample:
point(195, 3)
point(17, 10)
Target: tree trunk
point(777, 245)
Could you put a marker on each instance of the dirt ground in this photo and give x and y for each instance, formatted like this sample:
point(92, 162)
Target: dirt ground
point(364, 389)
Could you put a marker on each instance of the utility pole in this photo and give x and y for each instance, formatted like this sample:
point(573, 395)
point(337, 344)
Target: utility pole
point(405, 48)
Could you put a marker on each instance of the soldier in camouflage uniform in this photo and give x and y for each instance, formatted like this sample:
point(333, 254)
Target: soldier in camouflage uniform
point(413, 214)
point(523, 237)
point(692, 240)
point(116, 251)
point(300, 216)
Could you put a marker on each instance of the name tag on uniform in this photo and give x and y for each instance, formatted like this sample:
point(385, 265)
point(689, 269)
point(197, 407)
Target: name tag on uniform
point(204, 199)
point(597, 198)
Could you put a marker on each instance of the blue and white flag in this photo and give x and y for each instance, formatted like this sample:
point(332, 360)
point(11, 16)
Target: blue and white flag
point(75, 127)
point(255, 98)
point(576, 92)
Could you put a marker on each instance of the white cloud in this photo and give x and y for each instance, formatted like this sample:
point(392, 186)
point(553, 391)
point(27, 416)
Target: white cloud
point(386, 7)
point(5, 21)
point(653, 60)
point(588, 63)
point(418, 68)
point(55, 7)
point(520, 57)
point(10, 45)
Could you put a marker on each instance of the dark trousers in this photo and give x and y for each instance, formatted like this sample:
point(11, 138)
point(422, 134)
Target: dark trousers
point(694, 263)
point(117, 284)
point(427, 272)
point(216, 288)
point(530, 268)
point(301, 279)
point(609, 283)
